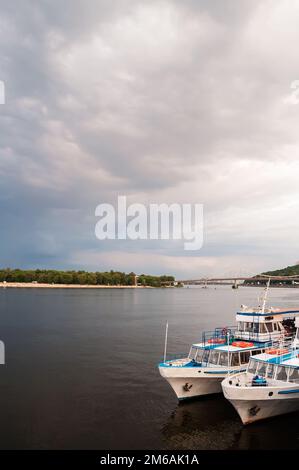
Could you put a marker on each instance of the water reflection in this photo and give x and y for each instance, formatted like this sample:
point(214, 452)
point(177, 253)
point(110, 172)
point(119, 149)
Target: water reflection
point(280, 432)
point(208, 423)
point(212, 424)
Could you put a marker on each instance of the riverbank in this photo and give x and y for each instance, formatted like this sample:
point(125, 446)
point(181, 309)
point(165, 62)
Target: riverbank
point(33, 285)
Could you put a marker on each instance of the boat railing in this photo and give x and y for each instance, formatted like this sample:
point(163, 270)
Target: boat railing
point(284, 344)
point(267, 344)
point(218, 336)
point(288, 353)
point(260, 337)
point(240, 380)
point(247, 335)
point(173, 357)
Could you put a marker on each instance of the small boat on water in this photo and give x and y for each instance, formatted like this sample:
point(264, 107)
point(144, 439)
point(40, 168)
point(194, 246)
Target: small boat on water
point(227, 350)
point(270, 385)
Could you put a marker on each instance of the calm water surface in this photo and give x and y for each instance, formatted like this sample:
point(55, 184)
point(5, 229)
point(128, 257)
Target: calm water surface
point(81, 371)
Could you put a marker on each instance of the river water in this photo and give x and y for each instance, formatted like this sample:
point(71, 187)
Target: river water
point(81, 370)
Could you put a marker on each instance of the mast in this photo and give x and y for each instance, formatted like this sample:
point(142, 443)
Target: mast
point(165, 343)
point(228, 362)
point(262, 306)
point(266, 295)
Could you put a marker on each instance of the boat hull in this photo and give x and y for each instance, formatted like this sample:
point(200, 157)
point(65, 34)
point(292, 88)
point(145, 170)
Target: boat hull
point(192, 382)
point(258, 403)
point(251, 411)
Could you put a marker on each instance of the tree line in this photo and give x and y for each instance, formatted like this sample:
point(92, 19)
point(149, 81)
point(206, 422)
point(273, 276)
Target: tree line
point(288, 271)
point(107, 278)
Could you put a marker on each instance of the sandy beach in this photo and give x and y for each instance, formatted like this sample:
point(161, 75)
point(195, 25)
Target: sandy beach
point(33, 285)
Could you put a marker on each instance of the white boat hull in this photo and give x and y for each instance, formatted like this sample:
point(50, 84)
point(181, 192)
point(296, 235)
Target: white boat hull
point(192, 382)
point(257, 403)
point(185, 388)
point(256, 410)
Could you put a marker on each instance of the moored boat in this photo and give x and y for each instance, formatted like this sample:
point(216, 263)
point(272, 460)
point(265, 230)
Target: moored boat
point(227, 350)
point(270, 385)
point(208, 362)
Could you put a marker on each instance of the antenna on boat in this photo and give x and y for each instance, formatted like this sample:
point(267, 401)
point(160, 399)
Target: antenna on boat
point(165, 343)
point(266, 295)
point(228, 353)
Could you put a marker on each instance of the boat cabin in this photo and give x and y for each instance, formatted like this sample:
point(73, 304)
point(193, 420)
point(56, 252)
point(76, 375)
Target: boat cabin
point(284, 368)
point(263, 325)
point(296, 339)
point(224, 355)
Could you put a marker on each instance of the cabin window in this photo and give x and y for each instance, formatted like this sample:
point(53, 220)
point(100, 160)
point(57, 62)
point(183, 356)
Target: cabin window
point(244, 356)
point(192, 353)
point(252, 366)
point(269, 327)
point(214, 356)
point(275, 327)
point(294, 375)
point(205, 356)
point(235, 359)
point(270, 371)
point(223, 359)
point(261, 369)
point(253, 327)
point(196, 354)
point(262, 328)
point(281, 373)
point(199, 355)
point(257, 351)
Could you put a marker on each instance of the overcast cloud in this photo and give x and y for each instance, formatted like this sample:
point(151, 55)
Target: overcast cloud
point(162, 101)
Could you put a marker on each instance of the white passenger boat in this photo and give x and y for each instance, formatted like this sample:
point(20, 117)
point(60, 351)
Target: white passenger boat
point(226, 350)
point(270, 385)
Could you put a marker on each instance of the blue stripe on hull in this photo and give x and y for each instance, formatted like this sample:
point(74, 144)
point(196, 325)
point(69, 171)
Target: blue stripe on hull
point(225, 371)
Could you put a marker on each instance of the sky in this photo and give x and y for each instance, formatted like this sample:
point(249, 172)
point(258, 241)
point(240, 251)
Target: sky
point(161, 101)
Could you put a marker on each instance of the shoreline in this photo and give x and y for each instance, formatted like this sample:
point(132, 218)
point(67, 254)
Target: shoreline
point(30, 285)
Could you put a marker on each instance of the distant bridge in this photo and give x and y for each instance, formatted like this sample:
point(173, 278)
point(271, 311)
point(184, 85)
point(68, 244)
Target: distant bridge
point(235, 279)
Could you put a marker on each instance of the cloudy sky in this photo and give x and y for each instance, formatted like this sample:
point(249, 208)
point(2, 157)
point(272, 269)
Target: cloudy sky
point(162, 101)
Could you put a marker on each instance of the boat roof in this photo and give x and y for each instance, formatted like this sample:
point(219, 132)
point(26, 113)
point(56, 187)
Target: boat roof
point(292, 362)
point(230, 348)
point(256, 312)
point(202, 346)
point(288, 359)
point(264, 357)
